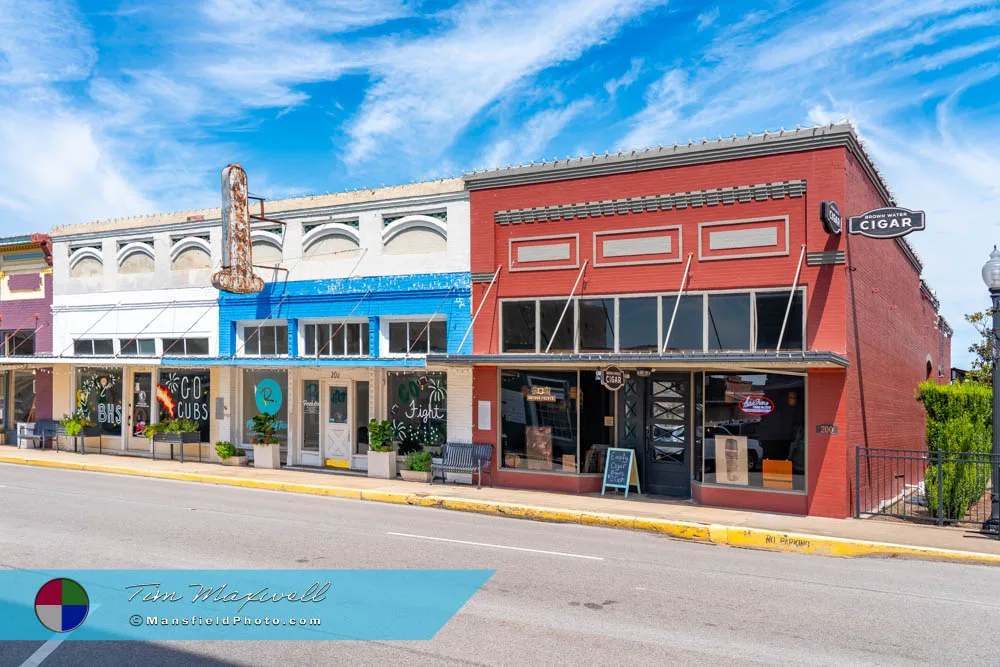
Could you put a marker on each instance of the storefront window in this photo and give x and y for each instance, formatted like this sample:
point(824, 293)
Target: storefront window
point(361, 416)
point(771, 307)
point(99, 396)
point(310, 415)
point(265, 392)
point(184, 395)
point(518, 326)
point(538, 420)
point(637, 323)
point(24, 396)
point(418, 409)
point(3, 401)
point(729, 322)
point(754, 431)
point(142, 395)
point(597, 325)
point(688, 324)
point(561, 340)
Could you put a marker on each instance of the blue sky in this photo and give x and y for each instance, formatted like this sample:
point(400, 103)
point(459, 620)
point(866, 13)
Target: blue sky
point(112, 109)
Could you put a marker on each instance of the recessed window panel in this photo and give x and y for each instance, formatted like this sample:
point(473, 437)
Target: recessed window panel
point(637, 322)
point(729, 322)
point(417, 338)
point(398, 341)
point(686, 333)
point(439, 337)
point(104, 347)
point(561, 339)
point(518, 326)
point(597, 325)
point(771, 307)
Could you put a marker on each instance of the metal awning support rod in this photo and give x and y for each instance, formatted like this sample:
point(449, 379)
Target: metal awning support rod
point(186, 332)
point(482, 302)
point(344, 322)
point(791, 298)
point(96, 322)
point(677, 303)
point(569, 300)
point(428, 325)
point(145, 327)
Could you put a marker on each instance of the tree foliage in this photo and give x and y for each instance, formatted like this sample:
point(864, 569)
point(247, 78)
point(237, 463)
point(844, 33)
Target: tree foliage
point(982, 347)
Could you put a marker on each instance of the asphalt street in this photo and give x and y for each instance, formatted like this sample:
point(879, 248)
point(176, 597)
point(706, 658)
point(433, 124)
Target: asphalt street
point(561, 595)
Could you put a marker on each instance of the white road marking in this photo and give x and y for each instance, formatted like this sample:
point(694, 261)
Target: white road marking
point(46, 649)
point(497, 546)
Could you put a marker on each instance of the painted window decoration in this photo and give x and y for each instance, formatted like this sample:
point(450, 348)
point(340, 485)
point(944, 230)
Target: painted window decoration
point(99, 397)
point(337, 413)
point(418, 409)
point(185, 395)
point(18, 343)
point(310, 416)
point(265, 392)
point(142, 402)
point(754, 431)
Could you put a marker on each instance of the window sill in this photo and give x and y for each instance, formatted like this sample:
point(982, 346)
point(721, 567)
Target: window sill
point(757, 489)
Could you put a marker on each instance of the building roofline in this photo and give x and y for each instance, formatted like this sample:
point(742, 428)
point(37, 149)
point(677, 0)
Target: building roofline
point(752, 145)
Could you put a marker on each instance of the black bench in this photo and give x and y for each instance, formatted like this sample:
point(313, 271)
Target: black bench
point(465, 457)
point(41, 431)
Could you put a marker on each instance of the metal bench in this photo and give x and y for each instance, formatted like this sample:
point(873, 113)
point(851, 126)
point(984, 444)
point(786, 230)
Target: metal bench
point(465, 457)
point(37, 434)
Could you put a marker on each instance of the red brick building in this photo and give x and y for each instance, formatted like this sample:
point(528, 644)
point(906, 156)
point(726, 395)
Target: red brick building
point(676, 266)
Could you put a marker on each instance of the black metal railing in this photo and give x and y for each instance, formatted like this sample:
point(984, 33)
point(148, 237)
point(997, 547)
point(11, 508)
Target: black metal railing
point(934, 487)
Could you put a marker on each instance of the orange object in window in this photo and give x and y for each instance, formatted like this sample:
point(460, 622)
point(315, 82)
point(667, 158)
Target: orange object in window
point(777, 474)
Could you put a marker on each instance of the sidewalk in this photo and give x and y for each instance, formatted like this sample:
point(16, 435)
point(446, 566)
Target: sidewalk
point(676, 519)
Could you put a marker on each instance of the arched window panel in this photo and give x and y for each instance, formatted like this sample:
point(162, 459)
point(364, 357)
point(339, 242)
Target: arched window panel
point(189, 254)
point(330, 242)
point(415, 234)
point(86, 263)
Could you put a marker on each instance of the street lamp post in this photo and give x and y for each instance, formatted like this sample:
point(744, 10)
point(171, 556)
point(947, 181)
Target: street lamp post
point(991, 276)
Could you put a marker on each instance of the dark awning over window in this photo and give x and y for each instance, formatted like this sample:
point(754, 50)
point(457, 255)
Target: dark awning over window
point(700, 360)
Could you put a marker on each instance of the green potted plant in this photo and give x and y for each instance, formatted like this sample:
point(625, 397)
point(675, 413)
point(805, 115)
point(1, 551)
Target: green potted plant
point(77, 425)
point(229, 454)
point(381, 455)
point(178, 432)
point(417, 467)
point(266, 446)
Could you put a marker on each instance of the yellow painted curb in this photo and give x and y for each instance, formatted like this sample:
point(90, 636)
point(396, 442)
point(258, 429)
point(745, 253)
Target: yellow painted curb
point(734, 536)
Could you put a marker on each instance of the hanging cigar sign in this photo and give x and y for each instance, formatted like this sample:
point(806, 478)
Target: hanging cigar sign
point(887, 223)
point(237, 274)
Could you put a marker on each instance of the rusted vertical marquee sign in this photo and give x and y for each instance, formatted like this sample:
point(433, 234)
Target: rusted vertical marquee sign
point(237, 274)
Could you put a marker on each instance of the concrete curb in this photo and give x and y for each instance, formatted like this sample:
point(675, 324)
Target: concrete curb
point(734, 536)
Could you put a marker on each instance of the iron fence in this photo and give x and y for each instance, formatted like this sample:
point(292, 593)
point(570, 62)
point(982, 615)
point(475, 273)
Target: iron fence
point(934, 487)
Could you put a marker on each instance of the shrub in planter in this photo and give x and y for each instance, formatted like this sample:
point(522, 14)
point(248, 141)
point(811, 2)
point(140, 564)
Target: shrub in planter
point(417, 467)
point(266, 446)
point(381, 456)
point(75, 424)
point(176, 430)
point(229, 454)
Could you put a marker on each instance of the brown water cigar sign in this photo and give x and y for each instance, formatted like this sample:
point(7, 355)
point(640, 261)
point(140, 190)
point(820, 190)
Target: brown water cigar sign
point(886, 223)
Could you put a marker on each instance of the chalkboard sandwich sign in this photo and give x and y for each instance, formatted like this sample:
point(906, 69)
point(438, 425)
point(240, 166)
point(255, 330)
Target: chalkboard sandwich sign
point(621, 470)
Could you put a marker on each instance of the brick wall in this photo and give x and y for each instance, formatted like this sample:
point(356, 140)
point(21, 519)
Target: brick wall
point(891, 331)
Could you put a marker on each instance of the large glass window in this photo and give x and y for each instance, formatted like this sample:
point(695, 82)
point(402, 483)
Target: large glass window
point(336, 339)
point(3, 400)
point(99, 396)
point(267, 340)
point(418, 409)
point(418, 337)
point(688, 324)
point(96, 347)
point(728, 321)
point(561, 339)
point(538, 420)
point(518, 326)
point(18, 343)
point(265, 392)
point(771, 307)
point(597, 325)
point(637, 324)
point(137, 347)
point(184, 395)
point(185, 347)
point(754, 431)
point(24, 396)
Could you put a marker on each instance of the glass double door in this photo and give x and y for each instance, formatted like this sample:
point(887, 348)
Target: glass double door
point(655, 421)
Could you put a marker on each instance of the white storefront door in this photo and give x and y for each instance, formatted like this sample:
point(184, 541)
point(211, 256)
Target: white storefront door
point(337, 423)
point(309, 454)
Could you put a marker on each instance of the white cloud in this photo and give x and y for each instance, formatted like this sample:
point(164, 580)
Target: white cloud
point(707, 18)
point(535, 135)
point(625, 80)
point(429, 89)
point(42, 42)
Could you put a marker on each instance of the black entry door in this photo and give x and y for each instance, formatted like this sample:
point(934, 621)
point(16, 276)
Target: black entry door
point(655, 421)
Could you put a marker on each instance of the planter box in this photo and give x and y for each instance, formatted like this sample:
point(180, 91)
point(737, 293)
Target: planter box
point(267, 456)
point(382, 465)
point(416, 475)
point(235, 461)
point(177, 438)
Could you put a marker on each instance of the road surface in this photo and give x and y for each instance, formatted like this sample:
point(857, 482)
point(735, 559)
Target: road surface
point(561, 595)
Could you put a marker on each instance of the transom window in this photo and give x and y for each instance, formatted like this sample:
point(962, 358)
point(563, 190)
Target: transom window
point(18, 343)
point(266, 340)
point(185, 347)
point(707, 321)
point(336, 339)
point(418, 337)
point(138, 347)
point(94, 347)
